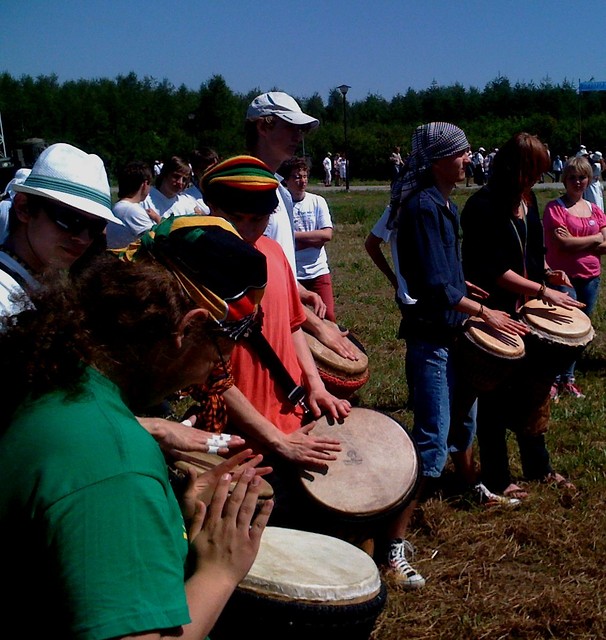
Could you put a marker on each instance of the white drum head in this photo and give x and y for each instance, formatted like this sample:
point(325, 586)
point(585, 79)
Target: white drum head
point(310, 567)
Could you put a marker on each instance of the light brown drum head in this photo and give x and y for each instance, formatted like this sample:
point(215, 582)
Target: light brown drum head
point(493, 340)
point(202, 462)
point(332, 361)
point(558, 322)
point(376, 470)
point(310, 567)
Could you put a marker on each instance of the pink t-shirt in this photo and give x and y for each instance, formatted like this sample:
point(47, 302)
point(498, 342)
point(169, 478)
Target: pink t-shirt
point(283, 313)
point(578, 264)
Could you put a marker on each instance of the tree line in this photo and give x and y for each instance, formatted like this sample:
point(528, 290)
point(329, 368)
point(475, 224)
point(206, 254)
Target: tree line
point(129, 117)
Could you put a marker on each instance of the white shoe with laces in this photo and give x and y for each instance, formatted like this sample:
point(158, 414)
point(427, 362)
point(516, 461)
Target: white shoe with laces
point(399, 566)
point(490, 499)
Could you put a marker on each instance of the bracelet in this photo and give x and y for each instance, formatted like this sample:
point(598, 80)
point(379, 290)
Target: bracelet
point(541, 292)
point(480, 312)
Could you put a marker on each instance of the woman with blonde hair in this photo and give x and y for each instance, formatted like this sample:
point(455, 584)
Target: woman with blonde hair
point(575, 238)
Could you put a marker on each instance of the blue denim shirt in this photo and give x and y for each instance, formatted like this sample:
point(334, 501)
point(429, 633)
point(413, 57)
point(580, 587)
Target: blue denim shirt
point(429, 254)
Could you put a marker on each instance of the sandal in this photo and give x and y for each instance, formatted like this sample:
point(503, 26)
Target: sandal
point(559, 481)
point(513, 491)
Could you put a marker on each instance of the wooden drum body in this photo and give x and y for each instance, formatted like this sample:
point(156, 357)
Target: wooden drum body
point(487, 356)
point(557, 337)
point(375, 473)
point(341, 376)
point(301, 586)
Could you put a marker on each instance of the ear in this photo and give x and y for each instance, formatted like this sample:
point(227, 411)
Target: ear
point(192, 317)
point(20, 205)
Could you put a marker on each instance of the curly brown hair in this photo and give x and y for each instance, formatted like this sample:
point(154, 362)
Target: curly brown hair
point(115, 314)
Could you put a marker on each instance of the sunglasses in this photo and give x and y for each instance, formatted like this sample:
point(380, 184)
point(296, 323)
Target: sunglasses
point(73, 222)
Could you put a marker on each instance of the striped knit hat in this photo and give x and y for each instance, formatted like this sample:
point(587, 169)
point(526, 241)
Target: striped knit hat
point(242, 184)
point(215, 267)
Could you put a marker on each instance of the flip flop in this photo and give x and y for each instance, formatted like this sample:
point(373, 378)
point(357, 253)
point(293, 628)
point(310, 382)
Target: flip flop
point(559, 481)
point(513, 491)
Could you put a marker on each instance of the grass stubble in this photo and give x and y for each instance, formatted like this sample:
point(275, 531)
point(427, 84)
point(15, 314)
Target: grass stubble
point(537, 571)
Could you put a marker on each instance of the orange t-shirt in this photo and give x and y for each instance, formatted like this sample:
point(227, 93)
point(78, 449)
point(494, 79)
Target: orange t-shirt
point(283, 313)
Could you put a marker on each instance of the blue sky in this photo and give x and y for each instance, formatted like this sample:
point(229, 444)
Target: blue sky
point(377, 46)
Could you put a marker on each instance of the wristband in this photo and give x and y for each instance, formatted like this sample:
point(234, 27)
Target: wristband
point(480, 312)
point(541, 292)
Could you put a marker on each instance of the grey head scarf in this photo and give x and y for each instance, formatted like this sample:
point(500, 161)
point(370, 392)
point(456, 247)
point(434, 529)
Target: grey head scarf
point(430, 142)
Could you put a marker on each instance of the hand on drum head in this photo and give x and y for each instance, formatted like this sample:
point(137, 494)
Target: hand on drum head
point(560, 299)
point(302, 448)
point(173, 436)
point(504, 322)
point(331, 336)
point(201, 486)
point(225, 536)
point(321, 402)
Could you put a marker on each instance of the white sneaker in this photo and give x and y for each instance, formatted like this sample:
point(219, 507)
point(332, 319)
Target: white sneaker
point(490, 499)
point(398, 565)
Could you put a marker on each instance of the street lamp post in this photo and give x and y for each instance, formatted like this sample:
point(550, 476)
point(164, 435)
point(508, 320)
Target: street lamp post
point(344, 88)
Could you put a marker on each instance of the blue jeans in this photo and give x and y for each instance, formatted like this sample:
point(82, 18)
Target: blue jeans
point(585, 290)
point(434, 388)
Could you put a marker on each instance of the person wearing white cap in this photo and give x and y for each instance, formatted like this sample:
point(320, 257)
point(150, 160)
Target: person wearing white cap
point(59, 211)
point(274, 128)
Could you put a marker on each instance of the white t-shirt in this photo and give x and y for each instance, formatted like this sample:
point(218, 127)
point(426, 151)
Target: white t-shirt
point(11, 286)
point(311, 214)
point(380, 230)
point(280, 227)
point(135, 223)
point(196, 194)
point(179, 205)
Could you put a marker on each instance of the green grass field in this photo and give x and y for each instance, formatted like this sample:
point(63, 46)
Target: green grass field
point(538, 571)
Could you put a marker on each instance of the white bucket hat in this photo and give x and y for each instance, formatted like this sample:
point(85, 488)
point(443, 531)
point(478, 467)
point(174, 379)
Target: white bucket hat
point(277, 103)
point(74, 178)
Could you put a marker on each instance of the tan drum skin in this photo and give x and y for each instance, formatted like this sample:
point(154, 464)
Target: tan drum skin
point(341, 376)
point(556, 324)
point(375, 472)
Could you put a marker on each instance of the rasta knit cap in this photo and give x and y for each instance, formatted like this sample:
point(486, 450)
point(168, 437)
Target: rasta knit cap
point(242, 184)
point(218, 270)
point(430, 142)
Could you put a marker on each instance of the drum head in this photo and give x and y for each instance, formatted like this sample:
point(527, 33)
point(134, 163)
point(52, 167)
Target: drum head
point(202, 462)
point(332, 361)
point(310, 567)
point(495, 341)
point(376, 471)
point(563, 325)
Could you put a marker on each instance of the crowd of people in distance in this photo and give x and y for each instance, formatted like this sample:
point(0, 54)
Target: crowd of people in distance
point(202, 279)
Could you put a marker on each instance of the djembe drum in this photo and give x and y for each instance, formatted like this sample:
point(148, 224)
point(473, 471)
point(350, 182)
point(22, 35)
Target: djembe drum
point(304, 586)
point(374, 476)
point(557, 337)
point(341, 376)
point(486, 356)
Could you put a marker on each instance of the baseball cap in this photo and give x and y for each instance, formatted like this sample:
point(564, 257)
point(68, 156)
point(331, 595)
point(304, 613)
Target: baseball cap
point(277, 103)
